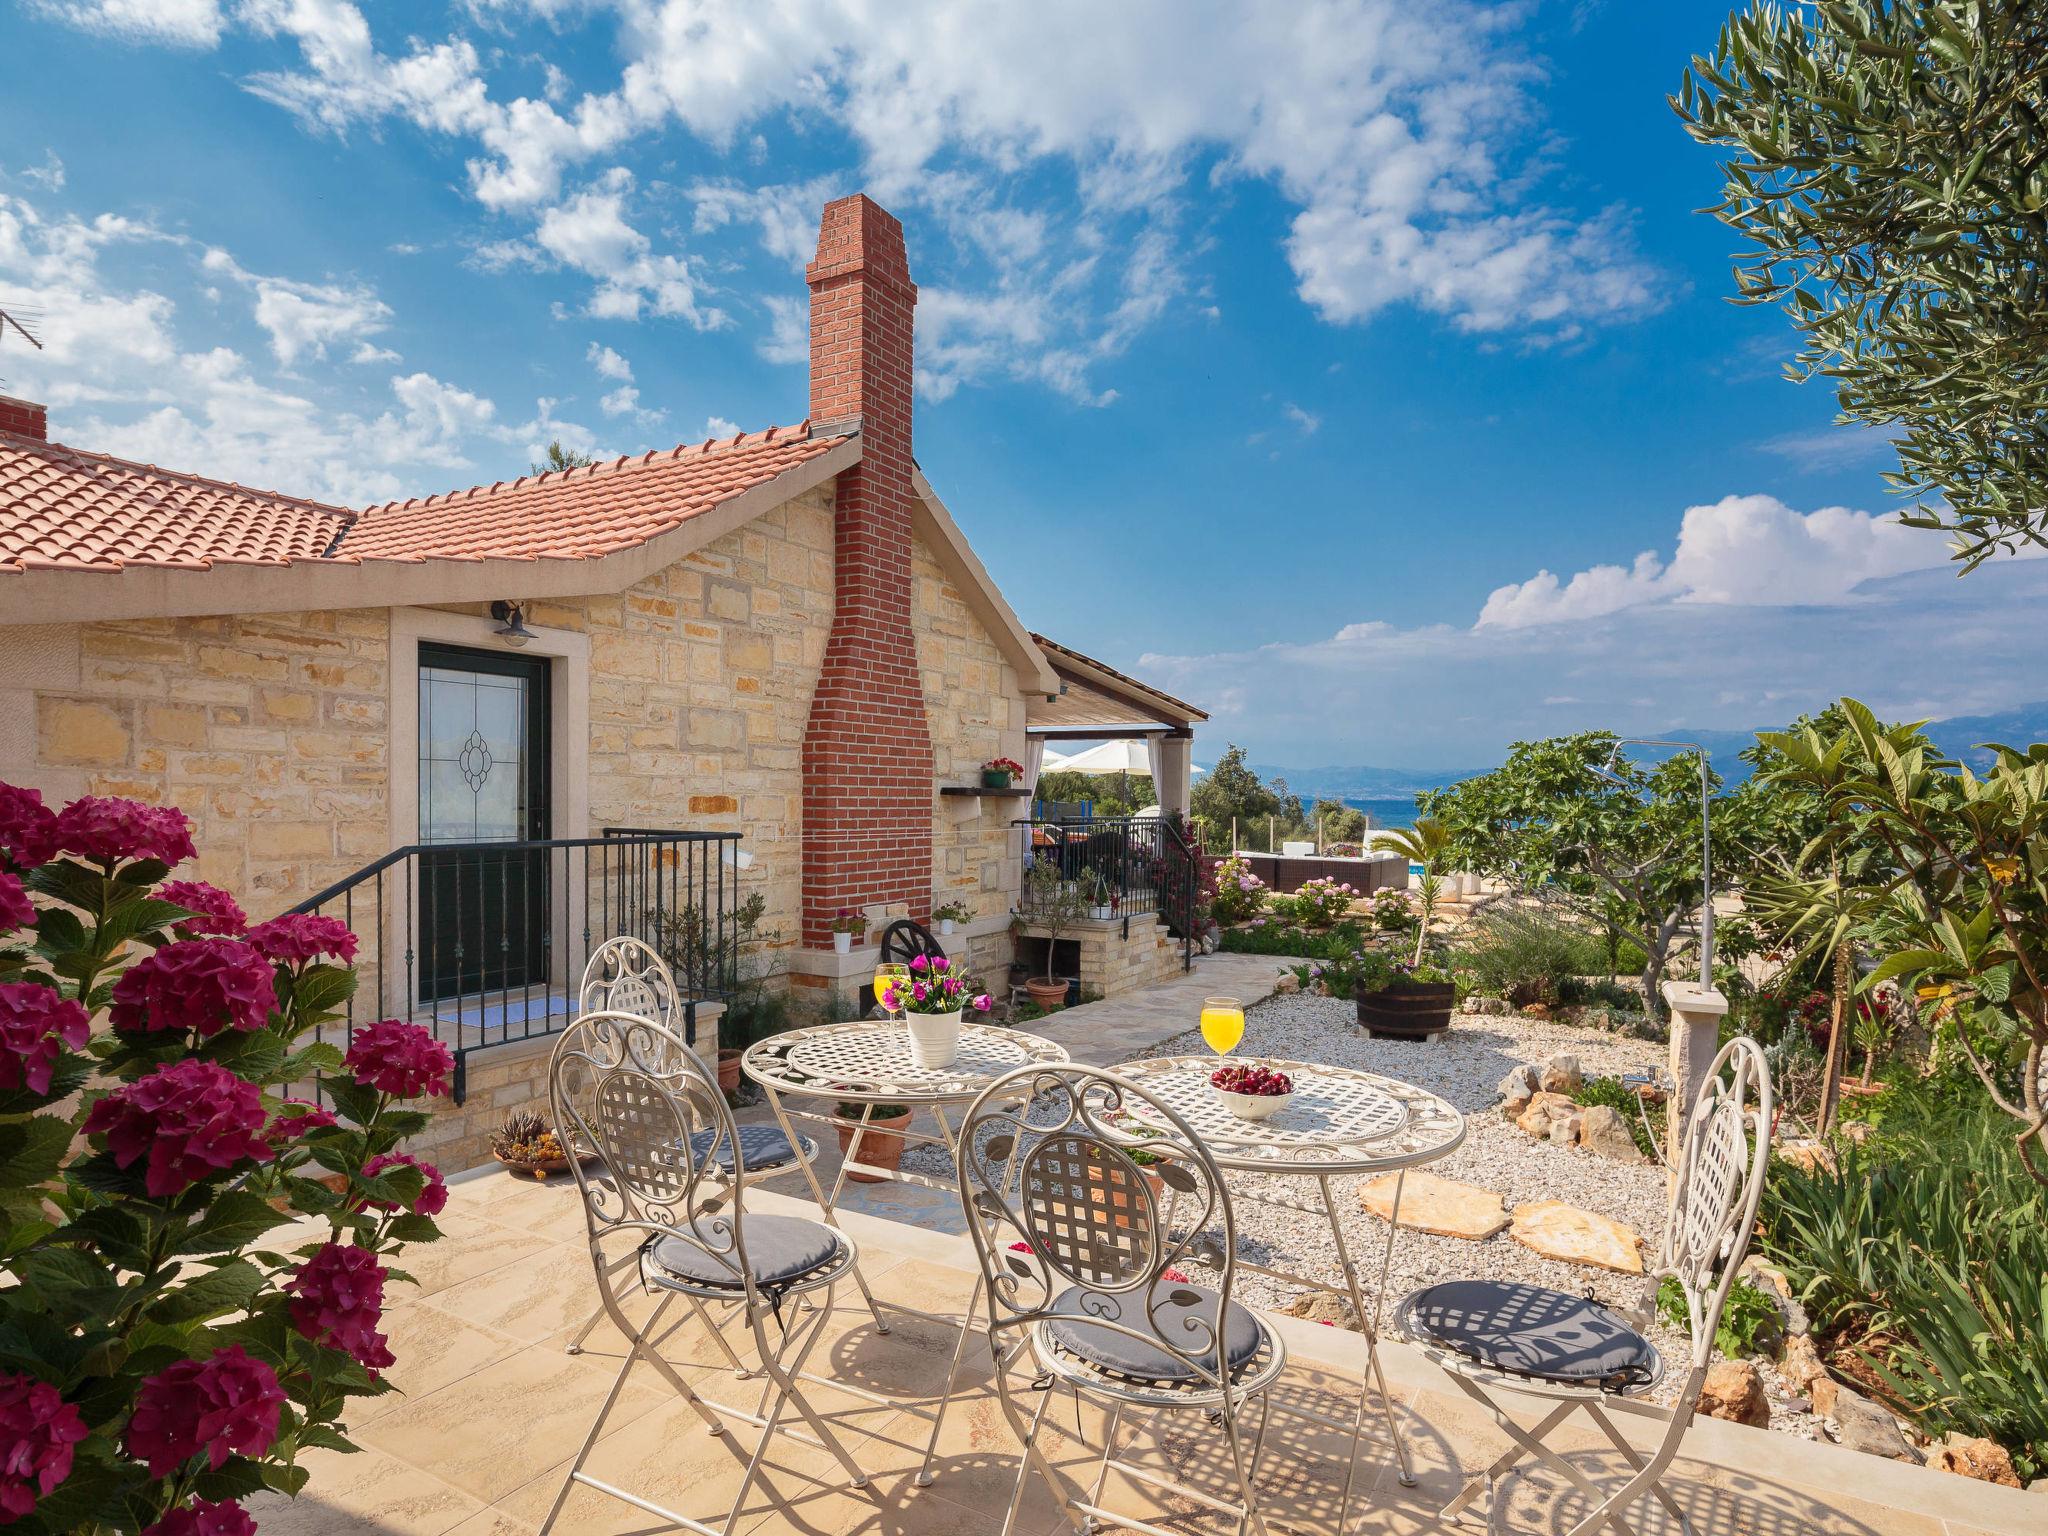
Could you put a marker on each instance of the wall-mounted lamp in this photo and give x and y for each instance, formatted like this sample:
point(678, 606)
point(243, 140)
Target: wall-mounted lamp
point(511, 623)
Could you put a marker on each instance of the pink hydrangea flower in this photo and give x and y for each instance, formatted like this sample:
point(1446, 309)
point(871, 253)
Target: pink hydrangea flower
point(433, 1195)
point(297, 1117)
point(190, 1119)
point(109, 831)
point(204, 1517)
point(400, 1059)
point(215, 911)
point(201, 986)
point(298, 937)
point(35, 1025)
point(338, 1300)
point(28, 829)
point(225, 1405)
point(37, 1431)
point(16, 910)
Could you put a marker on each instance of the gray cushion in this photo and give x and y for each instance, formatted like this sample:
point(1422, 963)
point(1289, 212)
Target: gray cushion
point(762, 1146)
point(1529, 1330)
point(1185, 1327)
point(780, 1249)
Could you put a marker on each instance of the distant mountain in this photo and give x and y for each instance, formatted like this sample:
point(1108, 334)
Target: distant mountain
point(1959, 737)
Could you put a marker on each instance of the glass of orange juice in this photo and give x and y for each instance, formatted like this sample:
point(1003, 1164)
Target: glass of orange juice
point(887, 974)
point(1222, 1023)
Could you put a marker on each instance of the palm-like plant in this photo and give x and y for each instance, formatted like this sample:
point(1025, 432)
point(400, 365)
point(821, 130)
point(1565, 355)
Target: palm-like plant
point(1427, 843)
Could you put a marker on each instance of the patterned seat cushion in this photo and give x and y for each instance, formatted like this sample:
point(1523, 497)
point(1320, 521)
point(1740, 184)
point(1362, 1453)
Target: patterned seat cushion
point(762, 1146)
point(780, 1251)
point(1528, 1330)
point(1184, 1326)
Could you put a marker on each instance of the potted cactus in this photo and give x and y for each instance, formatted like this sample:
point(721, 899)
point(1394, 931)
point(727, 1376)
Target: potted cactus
point(525, 1144)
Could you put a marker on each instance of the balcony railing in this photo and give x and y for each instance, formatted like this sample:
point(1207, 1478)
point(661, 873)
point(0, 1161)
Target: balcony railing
point(1135, 866)
point(485, 943)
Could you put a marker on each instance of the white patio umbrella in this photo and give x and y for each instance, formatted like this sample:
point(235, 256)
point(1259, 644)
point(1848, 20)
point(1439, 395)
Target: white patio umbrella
point(1125, 756)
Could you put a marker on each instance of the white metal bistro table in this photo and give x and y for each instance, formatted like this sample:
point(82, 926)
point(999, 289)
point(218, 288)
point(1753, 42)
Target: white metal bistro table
point(868, 1063)
point(1340, 1122)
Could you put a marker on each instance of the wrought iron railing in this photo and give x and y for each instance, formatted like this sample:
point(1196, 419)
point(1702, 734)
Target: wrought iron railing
point(1123, 867)
point(485, 943)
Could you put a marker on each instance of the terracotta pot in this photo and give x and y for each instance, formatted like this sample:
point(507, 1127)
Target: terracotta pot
point(1407, 1013)
point(879, 1147)
point(729, 1070)
point(1049, 992)
point(540, 1168)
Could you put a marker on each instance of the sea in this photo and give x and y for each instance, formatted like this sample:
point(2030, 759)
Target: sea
point(1398, 811)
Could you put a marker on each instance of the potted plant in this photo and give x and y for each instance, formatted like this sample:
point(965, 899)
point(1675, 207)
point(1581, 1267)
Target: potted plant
point(1401, 1001)
point(1054, 905)
point(526, 1145)
point(931, 1002)
point(1099, 891)
point(848, 926)
point(997, 772)
point(881, 1140)
point(952, 912)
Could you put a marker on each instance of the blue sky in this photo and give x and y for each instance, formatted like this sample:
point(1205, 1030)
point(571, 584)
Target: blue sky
point(1362, 371)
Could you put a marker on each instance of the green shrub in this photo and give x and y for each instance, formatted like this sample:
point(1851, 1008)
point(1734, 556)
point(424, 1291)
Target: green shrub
point(1239, 892)
point(1278, 938)
point(1616, 1095)
point(1533, 957)
point(1750, 1321)
point(1928, 1249)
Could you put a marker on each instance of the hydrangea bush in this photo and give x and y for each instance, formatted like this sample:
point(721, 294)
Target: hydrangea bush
point(195, 1261)
point(1239, 892)
point(1323, 902)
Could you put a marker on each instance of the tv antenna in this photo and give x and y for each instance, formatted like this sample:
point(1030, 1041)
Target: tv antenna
point(19, 317)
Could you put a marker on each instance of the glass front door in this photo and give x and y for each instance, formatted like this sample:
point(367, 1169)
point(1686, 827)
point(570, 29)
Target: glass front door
point(484, 779)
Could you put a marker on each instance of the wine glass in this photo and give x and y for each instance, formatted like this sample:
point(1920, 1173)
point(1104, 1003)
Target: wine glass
point(1222, 1023)
point(890, 973)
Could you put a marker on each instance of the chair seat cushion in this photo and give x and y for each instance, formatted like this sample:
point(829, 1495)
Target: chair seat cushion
point(1528, 1330)
point(762, 1147)
point(1184, 1326)
point(780, 1250)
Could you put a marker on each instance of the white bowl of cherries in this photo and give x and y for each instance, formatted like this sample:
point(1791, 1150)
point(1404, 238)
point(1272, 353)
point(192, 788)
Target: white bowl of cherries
point(1251, 1090)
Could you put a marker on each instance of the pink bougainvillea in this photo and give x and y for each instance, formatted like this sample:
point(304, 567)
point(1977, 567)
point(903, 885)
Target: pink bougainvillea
point(35, 1025)
point(37, 1431)
point(399, 1059)
point(214, 910)
point(196, 986)
point(190, 1119)
point(225, 1405)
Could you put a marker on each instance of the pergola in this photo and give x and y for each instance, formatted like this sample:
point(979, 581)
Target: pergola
point(1098, 703)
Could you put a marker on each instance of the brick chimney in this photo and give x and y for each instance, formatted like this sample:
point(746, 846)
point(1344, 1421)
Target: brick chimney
point(24, 418)
point(867, 757)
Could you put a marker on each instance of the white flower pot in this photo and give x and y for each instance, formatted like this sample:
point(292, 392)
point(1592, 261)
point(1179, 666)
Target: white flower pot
point(934, 1038)
point(1102, 914)
point(842, 943)
point(945, 926)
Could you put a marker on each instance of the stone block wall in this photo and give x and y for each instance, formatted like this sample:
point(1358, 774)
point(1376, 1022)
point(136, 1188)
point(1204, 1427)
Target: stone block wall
point(1112, 964)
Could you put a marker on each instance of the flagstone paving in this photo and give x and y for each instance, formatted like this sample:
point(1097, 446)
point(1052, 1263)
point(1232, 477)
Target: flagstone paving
point(491, 1408)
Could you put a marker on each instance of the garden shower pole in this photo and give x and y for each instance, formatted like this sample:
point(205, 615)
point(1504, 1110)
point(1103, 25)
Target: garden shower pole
point(1706, 847)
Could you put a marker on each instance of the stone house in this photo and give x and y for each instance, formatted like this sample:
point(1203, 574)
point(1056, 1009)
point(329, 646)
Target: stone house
point(781, 638)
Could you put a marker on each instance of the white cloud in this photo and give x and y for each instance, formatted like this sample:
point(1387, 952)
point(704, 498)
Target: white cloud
point(718, 426)
point(1308, 422)
point(1408, 142)
point(609, 364)
point(1740, 550)
point(182, 23)
point(789, 330)
point(49, 175)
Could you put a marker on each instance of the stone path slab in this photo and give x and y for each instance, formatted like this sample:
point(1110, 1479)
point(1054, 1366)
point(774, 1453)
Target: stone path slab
point(1446, 1207)
point(1560, 1231)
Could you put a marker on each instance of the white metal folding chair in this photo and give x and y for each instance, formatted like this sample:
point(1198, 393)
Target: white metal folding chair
point(628, 1097)
point(1092, 1293)
point(1527, 1339)
point(627, 975)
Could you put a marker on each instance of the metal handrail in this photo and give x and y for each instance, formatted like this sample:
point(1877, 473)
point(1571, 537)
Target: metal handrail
point(1149, 863)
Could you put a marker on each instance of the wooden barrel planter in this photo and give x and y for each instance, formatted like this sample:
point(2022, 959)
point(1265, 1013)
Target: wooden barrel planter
point(1407, 1013)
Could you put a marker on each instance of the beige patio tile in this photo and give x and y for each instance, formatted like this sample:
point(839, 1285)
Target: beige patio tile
point(365, 1493)
point(497, 1427)
point(469, 1246)
point(434, 1349)
point(552, 1289)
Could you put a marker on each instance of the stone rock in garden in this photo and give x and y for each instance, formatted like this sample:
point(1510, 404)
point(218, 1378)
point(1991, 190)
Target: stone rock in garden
point(1734, 1391)
point(1822, 1390)
point(1861, 1425)
point(1602, 1130)
point(1324, 1307)
point(1857, 1131)
point(1287, 985)
point(1809, 1155)
point(1564, 1129)
point(1970, 1456)
point(1211, 941)
point(1560, 1231)
point(1536, 1010)
point(1801, 1366)
point(1517, 1089)
point(1561, 1074)
point(1541, 1110)
point(1443, 1207)
point(1490, 1007)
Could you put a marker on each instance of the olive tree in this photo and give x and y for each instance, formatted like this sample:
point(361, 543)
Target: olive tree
point(1888, 176)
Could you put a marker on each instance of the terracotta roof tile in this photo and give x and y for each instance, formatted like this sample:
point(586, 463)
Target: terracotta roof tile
point(61, 507)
